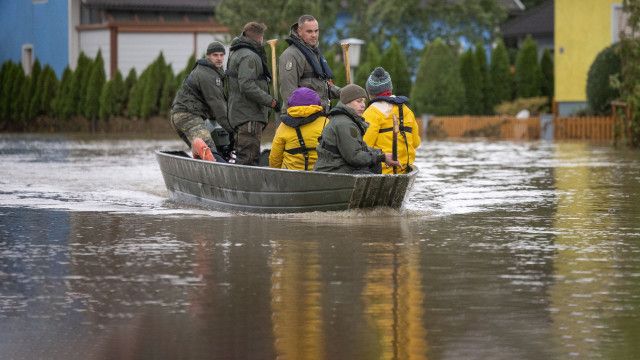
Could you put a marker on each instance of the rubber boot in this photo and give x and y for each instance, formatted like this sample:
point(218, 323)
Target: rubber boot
point(200, 150)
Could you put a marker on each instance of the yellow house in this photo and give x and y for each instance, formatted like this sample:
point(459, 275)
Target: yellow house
point(583, 28)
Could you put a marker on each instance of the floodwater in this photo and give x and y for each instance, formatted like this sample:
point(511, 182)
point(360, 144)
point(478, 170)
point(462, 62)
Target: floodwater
point(505, 250)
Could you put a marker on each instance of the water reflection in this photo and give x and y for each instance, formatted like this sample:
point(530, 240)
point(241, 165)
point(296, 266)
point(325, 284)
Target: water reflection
point(507, 251)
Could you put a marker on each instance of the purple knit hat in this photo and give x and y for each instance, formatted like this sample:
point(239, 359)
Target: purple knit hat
point(302, 97)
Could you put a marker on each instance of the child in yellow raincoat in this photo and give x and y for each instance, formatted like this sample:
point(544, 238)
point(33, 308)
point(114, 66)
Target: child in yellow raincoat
point(295, 141)
point(380, 115)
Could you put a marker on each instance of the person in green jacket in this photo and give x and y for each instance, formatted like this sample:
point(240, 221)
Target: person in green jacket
point(249, 98)
point(201, 97)
point(341, 148)
point(302, 63)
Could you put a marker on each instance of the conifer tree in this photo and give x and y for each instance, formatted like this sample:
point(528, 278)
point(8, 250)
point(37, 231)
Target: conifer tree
point(394, 62)
point(49, 89)
point(500, 73)
point(96, 81)
point(438, 89)
point(4, 74)
point(152, 88)
point(19, 81)
point(372, 59)
point(35, 98)
point(472, 81)
point(10, 72)
point(119, 98)
point(486, 92)
point(527, 70)
point(546, 69)
point(167, 92)
point(73, 100)
point(131, 79)
point(21, 109)
point(191, 62)
point(106, 103)
point(63, 93)
point(136, 95)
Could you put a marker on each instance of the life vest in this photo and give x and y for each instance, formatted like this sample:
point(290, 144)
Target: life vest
point(296, 124)
point(400, 101)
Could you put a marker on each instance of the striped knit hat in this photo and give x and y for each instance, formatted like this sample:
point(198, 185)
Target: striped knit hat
point(378, 82)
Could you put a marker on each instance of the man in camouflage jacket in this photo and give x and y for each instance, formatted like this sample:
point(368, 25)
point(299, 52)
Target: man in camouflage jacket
point(202, 97)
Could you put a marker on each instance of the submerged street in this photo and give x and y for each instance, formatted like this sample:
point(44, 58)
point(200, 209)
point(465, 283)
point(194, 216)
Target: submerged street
point(505, 250)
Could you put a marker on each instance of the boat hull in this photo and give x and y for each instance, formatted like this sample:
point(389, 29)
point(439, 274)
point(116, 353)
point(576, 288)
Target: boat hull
point(231, 187)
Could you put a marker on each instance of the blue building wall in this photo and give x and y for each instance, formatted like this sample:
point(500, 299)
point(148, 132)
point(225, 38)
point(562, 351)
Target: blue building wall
point(42, 24)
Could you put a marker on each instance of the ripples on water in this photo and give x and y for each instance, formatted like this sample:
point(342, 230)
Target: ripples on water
point(504, 250)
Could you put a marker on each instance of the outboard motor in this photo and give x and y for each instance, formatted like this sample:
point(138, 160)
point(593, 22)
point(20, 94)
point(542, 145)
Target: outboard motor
point(221, 137)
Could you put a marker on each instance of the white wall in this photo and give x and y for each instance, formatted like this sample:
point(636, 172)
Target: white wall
point(138, 50)
point(93, 40)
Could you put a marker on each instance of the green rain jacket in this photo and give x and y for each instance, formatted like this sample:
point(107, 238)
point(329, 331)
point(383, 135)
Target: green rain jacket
point(248, 77)
point(341, 148)
point(202, 94)
point(295, 71)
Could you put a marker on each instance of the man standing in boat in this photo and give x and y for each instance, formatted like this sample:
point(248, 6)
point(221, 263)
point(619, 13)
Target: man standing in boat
point(249, 98)
point(201, 97)
point(302, 64)
point(341, 148)
point(392, 125)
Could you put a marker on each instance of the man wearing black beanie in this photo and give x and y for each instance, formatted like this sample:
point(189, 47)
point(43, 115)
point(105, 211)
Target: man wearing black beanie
point(202, 97)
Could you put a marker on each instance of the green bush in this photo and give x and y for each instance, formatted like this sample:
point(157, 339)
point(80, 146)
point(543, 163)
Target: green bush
point(500, 74)
point(438, 89)
point(527, 70)
point(395, 63)
point(600, 93)
point(472, 81)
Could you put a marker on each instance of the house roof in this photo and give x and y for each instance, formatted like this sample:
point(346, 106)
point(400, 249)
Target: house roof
point(535, 21)
point(172, 5)
point(511, 5)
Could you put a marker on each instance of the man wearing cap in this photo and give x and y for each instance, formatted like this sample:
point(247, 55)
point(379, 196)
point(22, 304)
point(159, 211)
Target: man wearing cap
point(302, 64)
point(201, 97)
point(380, 114)
point(341, 148)
point(249, 98)
point(294, 144)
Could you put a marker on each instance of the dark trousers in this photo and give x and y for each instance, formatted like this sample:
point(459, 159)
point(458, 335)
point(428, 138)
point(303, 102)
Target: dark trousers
point(247, 145)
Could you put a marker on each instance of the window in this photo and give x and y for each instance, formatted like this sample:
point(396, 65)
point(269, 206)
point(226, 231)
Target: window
point(27, 58)
point(619, 23)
